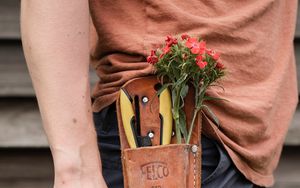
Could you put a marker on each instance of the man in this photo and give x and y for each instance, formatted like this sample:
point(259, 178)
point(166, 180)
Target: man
point(255, 39)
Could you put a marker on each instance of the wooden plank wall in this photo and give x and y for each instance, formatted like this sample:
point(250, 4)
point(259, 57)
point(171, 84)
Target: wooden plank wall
point(26, 168)
point(20, 124)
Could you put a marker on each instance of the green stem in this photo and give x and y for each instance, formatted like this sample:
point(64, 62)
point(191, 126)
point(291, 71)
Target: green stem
point(178, 133)
point(192, 125)
point(199, 95)
point(176, 116)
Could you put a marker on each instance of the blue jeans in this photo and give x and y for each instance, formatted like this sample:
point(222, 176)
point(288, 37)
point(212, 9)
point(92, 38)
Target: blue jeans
point(218, 170)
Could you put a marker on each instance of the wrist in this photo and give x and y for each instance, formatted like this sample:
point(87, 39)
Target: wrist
point(80, 158)
point(95, 180)
point(78, 169)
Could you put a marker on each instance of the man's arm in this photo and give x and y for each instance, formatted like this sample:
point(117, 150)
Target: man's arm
point(55, 40)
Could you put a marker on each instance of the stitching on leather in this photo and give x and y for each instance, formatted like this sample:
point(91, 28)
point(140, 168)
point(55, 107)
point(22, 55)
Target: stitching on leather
point(194, 154)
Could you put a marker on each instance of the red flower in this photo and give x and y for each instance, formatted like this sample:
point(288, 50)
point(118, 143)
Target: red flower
point(152, 59)
point(220, 65)
point(202, 45)
point(195, 46)
point(153, 52)
point(174, 41)
point(185, 36)
point(208, 51)
point(201, 64)
point(199, 58)
point(199, 61)
point(215, 55)
point(170, 40)
point(166, 49)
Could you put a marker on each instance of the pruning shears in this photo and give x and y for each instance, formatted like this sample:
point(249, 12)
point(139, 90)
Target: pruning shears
point(129, 108)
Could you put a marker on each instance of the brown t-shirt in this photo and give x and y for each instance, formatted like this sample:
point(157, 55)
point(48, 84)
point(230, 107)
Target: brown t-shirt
point(255, 38)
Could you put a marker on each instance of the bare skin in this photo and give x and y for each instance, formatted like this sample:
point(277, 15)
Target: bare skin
point(55, 40)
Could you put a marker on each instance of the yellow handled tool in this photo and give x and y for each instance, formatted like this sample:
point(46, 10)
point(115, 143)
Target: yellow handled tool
point(127, 115)
point(130, 123)
point(165, 111)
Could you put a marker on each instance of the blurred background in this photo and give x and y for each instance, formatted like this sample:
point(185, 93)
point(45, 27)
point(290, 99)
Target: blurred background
point(25, 159)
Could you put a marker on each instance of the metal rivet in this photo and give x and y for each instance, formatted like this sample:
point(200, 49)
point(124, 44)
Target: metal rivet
point(151, 134)
point(145, 99)
point(173, 133)
point(194, 148)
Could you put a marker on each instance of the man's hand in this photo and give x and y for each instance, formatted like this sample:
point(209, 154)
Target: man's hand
point(55, 38)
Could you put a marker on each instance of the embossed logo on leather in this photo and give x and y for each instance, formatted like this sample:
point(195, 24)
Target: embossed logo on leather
point(155, 170)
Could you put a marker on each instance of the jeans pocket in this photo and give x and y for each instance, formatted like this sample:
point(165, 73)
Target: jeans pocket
point(224, 164)
point(214, 173)
point(99, 121)
point(111, 161)
point(108, 137)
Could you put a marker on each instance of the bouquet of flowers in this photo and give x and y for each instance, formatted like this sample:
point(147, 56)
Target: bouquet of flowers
point(183, 63)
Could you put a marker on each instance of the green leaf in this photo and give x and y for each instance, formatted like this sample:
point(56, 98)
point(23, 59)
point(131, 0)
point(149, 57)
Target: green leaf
point(182, 121)
point(182, 102)
point(217, 85)
point(163, 87)
point(184, 91)
point(182, 80)
point(175, 71)
point(173, 97)
point(211, 114)
point(202, 90)
point(208, 98)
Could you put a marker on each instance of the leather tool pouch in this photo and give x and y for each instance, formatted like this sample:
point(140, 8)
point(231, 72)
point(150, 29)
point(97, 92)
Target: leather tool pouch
point(158, 166)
